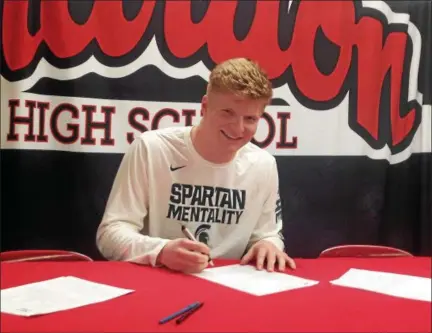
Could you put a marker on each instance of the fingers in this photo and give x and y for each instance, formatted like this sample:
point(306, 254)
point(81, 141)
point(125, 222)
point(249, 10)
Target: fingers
point(291, 262)
point(187, 266)
point(271, 259)
point(195, 246)
point(192, 256)
point(201, 267)
point(284, 259)
point(281, 261)
point(247, 257)
point(184, 255)
point(261, 256)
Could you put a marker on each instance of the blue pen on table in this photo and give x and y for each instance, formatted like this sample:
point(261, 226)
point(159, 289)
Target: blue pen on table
point(187, 314)
point(179, 313)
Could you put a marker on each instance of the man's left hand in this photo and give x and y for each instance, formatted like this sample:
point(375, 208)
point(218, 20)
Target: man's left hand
point(266, 252)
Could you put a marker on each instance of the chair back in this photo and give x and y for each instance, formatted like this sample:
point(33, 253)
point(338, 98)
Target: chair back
point(42, 255)
point(363, 251)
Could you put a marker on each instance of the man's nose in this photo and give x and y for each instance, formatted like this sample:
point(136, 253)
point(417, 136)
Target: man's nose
point(239, 126)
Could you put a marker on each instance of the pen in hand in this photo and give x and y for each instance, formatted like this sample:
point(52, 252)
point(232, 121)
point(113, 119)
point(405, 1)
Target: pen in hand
point(191, 237)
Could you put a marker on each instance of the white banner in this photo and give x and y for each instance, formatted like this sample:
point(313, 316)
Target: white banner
point(108, 126)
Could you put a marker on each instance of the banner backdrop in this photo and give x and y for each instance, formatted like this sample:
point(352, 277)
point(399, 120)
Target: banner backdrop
point(350, 123)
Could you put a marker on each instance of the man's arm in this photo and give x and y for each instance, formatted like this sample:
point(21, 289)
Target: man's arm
point(269, 226)
point(118, 236)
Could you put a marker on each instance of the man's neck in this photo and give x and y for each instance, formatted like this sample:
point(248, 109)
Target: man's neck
point(207, 149)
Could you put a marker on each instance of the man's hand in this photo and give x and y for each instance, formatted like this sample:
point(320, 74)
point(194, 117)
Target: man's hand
point(265, 251)
point(184, 255)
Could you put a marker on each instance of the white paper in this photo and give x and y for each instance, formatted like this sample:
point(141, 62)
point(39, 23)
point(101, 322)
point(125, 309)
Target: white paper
point(54, 295)
point(248, 279)
point(399, 285)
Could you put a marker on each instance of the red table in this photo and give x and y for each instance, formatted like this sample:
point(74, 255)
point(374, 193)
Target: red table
point(158, 293)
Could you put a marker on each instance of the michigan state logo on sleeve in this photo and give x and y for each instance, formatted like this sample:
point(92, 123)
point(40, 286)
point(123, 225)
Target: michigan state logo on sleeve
point(278, 216)
point(278, 209)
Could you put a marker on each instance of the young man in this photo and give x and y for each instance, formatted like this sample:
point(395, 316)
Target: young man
point(209, 178)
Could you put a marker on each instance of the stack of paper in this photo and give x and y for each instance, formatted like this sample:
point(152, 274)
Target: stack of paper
point(406, 286)
point(248, 279)
point(58, 294)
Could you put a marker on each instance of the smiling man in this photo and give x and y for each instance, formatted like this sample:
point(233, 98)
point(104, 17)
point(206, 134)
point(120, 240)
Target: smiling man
point(209, 178)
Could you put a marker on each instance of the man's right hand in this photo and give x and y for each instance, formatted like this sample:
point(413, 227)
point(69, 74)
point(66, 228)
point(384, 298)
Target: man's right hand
point(184, 255)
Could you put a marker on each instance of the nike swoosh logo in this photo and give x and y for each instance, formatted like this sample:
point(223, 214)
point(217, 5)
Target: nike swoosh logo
point(176, 168)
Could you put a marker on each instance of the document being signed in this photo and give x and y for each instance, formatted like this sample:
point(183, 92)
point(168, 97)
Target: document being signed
point(248, 279)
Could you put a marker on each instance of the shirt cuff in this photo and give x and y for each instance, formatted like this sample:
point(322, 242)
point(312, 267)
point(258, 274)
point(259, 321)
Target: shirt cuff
point(151, 256)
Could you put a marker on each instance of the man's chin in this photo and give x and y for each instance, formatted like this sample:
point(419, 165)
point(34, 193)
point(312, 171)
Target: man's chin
point(234, 146)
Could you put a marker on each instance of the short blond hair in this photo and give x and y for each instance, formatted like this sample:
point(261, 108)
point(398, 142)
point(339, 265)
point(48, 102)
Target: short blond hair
point(242, 77)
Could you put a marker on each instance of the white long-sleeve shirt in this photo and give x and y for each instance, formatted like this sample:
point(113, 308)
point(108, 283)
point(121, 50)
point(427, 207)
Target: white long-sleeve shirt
point(163, 183)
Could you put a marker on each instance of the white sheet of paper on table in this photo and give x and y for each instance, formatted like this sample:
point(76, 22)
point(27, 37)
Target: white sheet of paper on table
point(399, 285)
point(248, 279)
point(62, 293)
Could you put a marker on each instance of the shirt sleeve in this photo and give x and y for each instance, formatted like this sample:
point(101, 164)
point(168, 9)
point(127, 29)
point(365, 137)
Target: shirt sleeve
point(270, 223)
point(118, 236)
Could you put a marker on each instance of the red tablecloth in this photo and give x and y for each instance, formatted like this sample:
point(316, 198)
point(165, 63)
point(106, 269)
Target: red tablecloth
point(158, 293)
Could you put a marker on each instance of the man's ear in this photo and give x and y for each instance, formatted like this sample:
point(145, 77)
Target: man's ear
point(204, 105)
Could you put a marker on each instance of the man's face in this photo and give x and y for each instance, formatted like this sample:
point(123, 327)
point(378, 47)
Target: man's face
point(230, 121)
